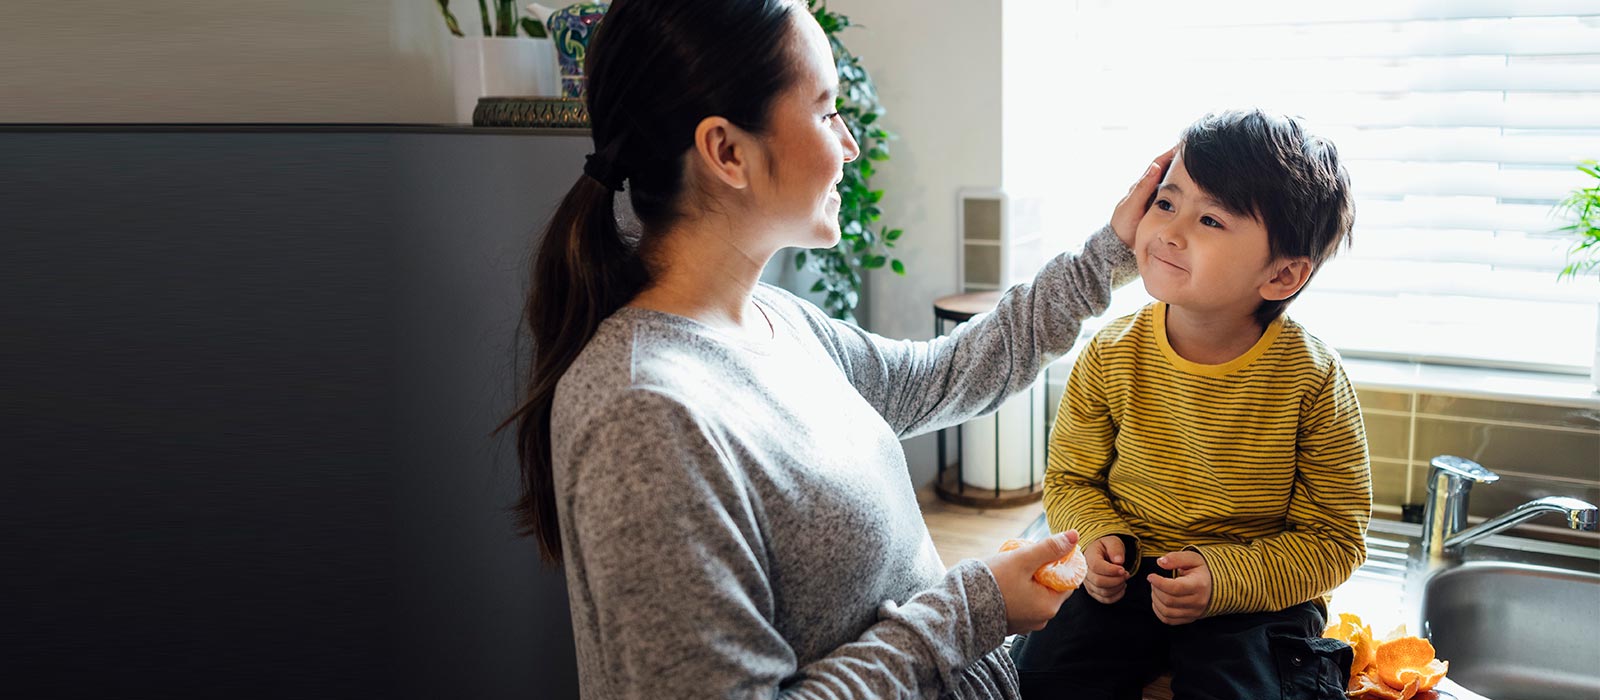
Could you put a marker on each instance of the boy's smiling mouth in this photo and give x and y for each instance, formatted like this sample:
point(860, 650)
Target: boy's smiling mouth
point(1165, 261)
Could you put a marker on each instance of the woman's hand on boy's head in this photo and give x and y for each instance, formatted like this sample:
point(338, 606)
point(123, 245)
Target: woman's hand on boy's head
point(1184, 597)
point(1108, 577)
point(1125, 220)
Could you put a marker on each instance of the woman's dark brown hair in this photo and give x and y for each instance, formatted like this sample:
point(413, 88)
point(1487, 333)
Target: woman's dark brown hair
point(655, 69)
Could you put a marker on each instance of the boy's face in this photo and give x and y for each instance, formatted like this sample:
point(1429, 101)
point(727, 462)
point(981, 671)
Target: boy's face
point(1196, 255)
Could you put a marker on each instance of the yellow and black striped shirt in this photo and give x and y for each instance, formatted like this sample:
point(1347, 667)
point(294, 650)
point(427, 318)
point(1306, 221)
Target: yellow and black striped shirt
point(1260, 463)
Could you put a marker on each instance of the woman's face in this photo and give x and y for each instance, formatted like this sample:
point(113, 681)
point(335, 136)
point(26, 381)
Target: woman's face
point(807, 145)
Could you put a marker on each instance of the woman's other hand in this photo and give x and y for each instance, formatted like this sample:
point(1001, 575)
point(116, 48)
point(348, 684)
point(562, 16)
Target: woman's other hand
point(1029, 604)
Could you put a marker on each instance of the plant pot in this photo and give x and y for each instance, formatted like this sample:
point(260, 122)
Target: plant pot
point(500, 66)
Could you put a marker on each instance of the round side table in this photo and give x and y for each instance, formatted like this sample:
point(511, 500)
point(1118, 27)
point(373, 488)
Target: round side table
point(948, 312)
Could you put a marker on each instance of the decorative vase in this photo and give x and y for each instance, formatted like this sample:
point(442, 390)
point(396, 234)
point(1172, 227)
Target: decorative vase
point(571, 27)
point(500, 66)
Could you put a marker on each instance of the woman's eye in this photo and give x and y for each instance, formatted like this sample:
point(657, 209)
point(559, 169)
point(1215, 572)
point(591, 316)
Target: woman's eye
point(1208, 221)
point(830, 115)
point(1163, 205)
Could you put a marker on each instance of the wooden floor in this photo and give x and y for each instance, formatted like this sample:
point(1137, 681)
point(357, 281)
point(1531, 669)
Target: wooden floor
point(962, 532)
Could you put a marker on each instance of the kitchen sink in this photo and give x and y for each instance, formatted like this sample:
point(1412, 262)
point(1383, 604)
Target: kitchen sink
point(1515, 631)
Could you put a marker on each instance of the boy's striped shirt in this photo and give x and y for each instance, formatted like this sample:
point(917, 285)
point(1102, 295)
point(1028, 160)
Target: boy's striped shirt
point(1260, 464)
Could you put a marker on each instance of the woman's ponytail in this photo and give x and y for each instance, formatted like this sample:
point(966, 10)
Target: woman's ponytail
point(654, 70)
point(582, 273)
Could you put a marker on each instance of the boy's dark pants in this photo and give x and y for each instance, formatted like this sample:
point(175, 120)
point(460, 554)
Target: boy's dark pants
point(1093, 651)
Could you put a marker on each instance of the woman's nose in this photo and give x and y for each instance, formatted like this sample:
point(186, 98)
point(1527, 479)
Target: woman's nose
point(852, 150)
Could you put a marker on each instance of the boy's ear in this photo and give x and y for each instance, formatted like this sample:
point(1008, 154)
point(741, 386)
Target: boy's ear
point(1288, 276)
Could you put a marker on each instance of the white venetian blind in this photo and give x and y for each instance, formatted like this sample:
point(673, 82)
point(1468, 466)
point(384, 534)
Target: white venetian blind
point(1460, 123)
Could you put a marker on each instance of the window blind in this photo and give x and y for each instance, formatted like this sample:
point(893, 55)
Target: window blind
point(1461, 124)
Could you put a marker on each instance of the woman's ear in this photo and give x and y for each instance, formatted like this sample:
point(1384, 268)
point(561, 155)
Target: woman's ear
point(723, 151)
point(1288, 276)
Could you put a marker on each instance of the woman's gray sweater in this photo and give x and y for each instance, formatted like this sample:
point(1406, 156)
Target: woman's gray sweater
point(737, 516)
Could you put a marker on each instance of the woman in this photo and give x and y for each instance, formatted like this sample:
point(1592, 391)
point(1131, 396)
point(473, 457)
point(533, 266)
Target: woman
point(715, 461)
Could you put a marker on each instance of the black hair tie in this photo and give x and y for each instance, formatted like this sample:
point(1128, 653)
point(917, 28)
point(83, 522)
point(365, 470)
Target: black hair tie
point(602, 168)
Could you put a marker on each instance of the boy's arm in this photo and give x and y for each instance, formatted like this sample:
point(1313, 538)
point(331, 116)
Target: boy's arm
point(1082, 448)
point(1324, 538)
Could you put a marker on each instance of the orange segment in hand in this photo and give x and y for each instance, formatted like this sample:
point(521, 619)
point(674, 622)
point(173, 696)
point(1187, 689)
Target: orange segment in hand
point(1062, 575)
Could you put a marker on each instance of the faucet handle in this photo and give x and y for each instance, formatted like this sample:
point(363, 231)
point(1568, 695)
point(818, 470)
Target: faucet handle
point(1464, 468)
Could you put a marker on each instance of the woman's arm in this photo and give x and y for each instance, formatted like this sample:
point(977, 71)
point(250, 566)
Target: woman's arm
point(923, 386)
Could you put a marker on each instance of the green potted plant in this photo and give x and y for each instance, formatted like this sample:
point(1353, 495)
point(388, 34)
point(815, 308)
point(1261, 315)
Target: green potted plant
point(499, 61)
point(864, 243)
point(1582, 208)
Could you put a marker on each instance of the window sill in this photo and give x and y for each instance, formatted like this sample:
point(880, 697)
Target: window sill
point(1474, 382)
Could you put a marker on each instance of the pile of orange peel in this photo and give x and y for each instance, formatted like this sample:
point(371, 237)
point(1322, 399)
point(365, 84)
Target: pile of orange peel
point(1397, 668)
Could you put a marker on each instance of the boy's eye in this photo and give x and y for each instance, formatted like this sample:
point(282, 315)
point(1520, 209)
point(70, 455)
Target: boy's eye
point(1163, 205)
point(1208, 221)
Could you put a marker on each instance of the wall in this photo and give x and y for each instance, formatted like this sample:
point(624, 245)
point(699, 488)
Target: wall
point(937, 68)
point(198, 61)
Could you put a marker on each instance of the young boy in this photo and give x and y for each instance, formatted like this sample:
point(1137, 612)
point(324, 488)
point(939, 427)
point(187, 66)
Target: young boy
point(1208, 449)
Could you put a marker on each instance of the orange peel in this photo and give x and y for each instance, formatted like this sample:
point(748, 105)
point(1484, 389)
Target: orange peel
point(1407, 660)
point(1062, 575)
point(1410, 660)
point(1397, 668)
point(1366, 686)
point(1351, 630)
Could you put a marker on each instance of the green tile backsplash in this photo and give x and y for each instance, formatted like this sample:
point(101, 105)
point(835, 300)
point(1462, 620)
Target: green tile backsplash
point(1389, 482)
point(1384, 400)
point(1537, 414)
point(1539, 450)
point(1387, 436)
point(1566, 453)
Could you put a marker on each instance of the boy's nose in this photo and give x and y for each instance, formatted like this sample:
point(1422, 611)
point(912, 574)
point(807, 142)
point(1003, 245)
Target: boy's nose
point(1171, 235)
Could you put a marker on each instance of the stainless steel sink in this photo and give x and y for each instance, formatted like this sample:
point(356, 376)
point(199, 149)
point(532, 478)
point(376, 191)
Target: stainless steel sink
point(1515, 631)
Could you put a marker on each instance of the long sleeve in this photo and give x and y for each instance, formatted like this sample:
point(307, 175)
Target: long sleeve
point(1331, 502)
point(922, 386)
point(1082, 449)
point(674, 570)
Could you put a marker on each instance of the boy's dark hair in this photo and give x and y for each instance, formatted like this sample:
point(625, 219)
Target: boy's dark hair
point(1267, 166)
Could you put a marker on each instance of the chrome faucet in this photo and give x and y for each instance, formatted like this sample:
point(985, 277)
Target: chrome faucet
point(1444, 514)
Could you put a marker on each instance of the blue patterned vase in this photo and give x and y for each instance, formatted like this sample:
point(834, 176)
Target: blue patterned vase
point(570, 28)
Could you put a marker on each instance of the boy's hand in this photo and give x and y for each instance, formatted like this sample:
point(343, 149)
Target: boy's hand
point(1125, 220)
point(1183, 598)
point(1107, 577)
point(1029, 604)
